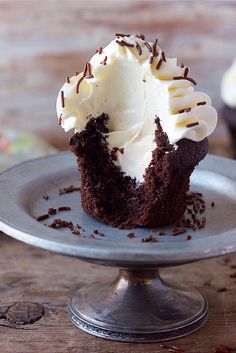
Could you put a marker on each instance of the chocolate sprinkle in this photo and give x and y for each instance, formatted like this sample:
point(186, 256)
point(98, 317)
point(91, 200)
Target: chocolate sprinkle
point(201, 103)
point(122, 35)
point(154, 48)
point(104, 61)
point(186, 72)
point(120, 43)
point(89, 76)
point(192, 124)
point(78, 84)
point(130, 235)
point(68, 80)
point(163, 56)
point(177, 231)
point(100, 50)
point(128, 44)
point(159, 64)
point(139, 49)
point(42, 218)
point(59, 223)
point(185, 110)
point(141, 36)
point(151, 59)
point(64, 208)
point(148, 46)
point(52, 211)
point(189, 237)
point(62, 99)
point(212, 204)
point(123, 43)
point(68, 189)
point(60, 120)
point(185, 78)
point(149, 239)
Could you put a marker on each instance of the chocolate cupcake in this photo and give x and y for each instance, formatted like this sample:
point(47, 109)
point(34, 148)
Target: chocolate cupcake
point(228, 94)
point(140, 130)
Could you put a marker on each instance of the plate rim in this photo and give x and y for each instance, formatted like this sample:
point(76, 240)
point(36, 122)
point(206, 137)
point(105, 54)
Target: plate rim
point(154, 253)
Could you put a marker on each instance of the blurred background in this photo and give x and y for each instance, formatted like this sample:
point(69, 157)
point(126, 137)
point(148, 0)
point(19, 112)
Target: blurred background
point(42, 42)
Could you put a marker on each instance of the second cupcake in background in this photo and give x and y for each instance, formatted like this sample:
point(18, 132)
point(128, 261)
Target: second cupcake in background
point(228, 94)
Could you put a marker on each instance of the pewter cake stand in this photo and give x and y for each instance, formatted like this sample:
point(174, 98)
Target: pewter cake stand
point(138, 305)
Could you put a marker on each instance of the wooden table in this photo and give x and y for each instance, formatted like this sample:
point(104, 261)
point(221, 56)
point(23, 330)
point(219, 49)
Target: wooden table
point(43, 42)
point(34, 275)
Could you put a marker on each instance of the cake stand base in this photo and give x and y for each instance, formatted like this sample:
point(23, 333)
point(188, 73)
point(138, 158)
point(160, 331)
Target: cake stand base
point(138, 307)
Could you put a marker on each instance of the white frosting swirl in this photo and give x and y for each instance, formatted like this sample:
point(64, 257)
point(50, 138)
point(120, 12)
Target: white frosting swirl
point(228, 86)
point(132, 91)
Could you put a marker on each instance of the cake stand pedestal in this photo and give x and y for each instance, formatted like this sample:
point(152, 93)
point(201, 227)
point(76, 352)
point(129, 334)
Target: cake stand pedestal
point(137, 306)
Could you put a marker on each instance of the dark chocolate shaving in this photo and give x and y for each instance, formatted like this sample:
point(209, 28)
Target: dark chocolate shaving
point(159, 64)
point(62, 99)
point(139, 49)
point(185, 78)
point(192, 124)
point(42, 217)
point(64, 208)
point(68, 189)
point(149, 239)
point(148, 46)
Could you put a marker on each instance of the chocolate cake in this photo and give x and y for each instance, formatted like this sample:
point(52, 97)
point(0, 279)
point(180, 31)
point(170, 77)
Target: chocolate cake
point(140, 130)
point(116, 199)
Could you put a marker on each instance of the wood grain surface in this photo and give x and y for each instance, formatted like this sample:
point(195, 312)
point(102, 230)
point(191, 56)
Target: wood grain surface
point(32, 275)
point(41, 43)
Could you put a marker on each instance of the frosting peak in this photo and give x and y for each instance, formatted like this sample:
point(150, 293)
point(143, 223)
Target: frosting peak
point(133, 81)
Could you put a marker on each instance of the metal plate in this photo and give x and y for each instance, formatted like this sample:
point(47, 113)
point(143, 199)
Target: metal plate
point(21, 193)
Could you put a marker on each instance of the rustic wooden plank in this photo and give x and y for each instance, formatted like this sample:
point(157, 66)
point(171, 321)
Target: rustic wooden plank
point(34, 275)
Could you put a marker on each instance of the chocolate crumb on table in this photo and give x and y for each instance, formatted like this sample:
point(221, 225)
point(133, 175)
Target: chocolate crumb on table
point(189, 237)
point(172, 349)
point(149, 239)
point(212, 204)
point(46, 197)
point(221, 290)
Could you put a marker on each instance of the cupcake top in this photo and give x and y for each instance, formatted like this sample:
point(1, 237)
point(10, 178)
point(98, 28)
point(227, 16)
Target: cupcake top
point(228, 86)
point(133, 81)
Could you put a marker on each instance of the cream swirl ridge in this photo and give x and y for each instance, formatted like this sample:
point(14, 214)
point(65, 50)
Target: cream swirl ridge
point(133, 81)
